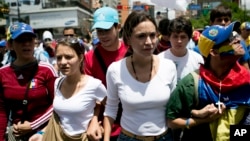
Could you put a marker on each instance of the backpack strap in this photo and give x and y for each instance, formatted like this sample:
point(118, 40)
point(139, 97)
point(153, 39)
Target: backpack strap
point(100, 60)
point(196, 76)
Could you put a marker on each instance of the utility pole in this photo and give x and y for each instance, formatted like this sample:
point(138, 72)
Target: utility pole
point(244, 10)
point(18, 11)
point(167, 13)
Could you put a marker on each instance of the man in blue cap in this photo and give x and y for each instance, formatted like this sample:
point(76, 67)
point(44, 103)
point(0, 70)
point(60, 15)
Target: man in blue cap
point(107, 50)
point(219, 90)
point(245, 33)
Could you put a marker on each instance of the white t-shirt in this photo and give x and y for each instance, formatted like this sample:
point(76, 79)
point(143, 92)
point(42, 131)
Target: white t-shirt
point(185, 64)
point(144, 104)
point(76, 111)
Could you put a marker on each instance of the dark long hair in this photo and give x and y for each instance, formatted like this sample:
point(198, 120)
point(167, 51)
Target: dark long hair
point(134, 18)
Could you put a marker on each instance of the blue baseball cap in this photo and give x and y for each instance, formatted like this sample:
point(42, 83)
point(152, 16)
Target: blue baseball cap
point(2, 43)
point(17, 29)
point(215, 35)
point(95, 39)
point(105, 18)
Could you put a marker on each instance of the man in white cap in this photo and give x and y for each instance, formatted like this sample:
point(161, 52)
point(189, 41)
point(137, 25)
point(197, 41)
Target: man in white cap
point(49, 46)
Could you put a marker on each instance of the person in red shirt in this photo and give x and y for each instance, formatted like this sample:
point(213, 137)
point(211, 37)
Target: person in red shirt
point(109, 49)
point(163, 42)
point(26, 87)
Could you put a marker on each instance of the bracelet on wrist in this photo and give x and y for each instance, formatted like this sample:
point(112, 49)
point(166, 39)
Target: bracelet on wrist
point(188, 123)
point(40, 132)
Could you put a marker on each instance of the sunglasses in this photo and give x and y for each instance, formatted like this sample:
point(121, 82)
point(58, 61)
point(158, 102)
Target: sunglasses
point(47, 40)
point(223, 19)
point(68, 35)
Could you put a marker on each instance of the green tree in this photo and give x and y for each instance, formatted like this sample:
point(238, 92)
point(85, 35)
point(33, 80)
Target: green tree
point(237, 14)
point(4, 9)
point(201, 21)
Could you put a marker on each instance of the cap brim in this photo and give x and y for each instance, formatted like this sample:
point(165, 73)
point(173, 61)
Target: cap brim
point(236, 26)
point(103, 25)
point(2, 44)
point(23, 32)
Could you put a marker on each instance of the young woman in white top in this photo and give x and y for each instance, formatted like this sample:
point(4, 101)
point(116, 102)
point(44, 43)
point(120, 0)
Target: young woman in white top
point(76, 94)
point(142, 82)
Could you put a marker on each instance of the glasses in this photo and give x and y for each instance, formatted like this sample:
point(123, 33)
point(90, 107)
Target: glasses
point(68, 35)
point(223, 19)
point(47, 40)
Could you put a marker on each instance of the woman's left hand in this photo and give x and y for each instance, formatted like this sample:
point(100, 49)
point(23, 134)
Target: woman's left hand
point(95, 131)
point(20, 129)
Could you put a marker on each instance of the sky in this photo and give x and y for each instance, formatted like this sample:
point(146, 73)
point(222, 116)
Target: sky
point(247, 4)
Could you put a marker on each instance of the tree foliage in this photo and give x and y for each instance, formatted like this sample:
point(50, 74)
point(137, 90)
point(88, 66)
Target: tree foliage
point(237, 14)
point(4, 8)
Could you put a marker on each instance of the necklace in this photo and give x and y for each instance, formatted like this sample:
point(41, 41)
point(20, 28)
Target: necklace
point(219, 102)
point(151, 67)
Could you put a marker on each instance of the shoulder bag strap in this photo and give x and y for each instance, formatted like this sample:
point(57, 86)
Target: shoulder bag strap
point(100, 60)
point(195, 75)
point(25, 100)
point(59, 83)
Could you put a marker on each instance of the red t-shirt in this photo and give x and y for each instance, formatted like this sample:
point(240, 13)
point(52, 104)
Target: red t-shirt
point(92, 67)
point(13, 85)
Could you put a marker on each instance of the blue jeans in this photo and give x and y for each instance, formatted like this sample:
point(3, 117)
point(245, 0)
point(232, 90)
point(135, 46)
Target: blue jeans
point(246, 121)
point(167, 137)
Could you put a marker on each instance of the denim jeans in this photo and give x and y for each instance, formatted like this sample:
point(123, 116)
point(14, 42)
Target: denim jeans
point(246, 121)
point(167, 137)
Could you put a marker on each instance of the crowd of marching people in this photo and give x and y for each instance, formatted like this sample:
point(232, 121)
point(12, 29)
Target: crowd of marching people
point(141, 81)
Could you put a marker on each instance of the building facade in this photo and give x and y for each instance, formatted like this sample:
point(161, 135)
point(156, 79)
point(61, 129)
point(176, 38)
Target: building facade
point(52, 15)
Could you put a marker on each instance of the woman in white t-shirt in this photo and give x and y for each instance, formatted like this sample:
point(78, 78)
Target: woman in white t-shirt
point(76, 95)
point(142, 82)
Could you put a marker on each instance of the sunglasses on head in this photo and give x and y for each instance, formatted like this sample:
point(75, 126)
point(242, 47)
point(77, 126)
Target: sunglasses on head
point(71, 40)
